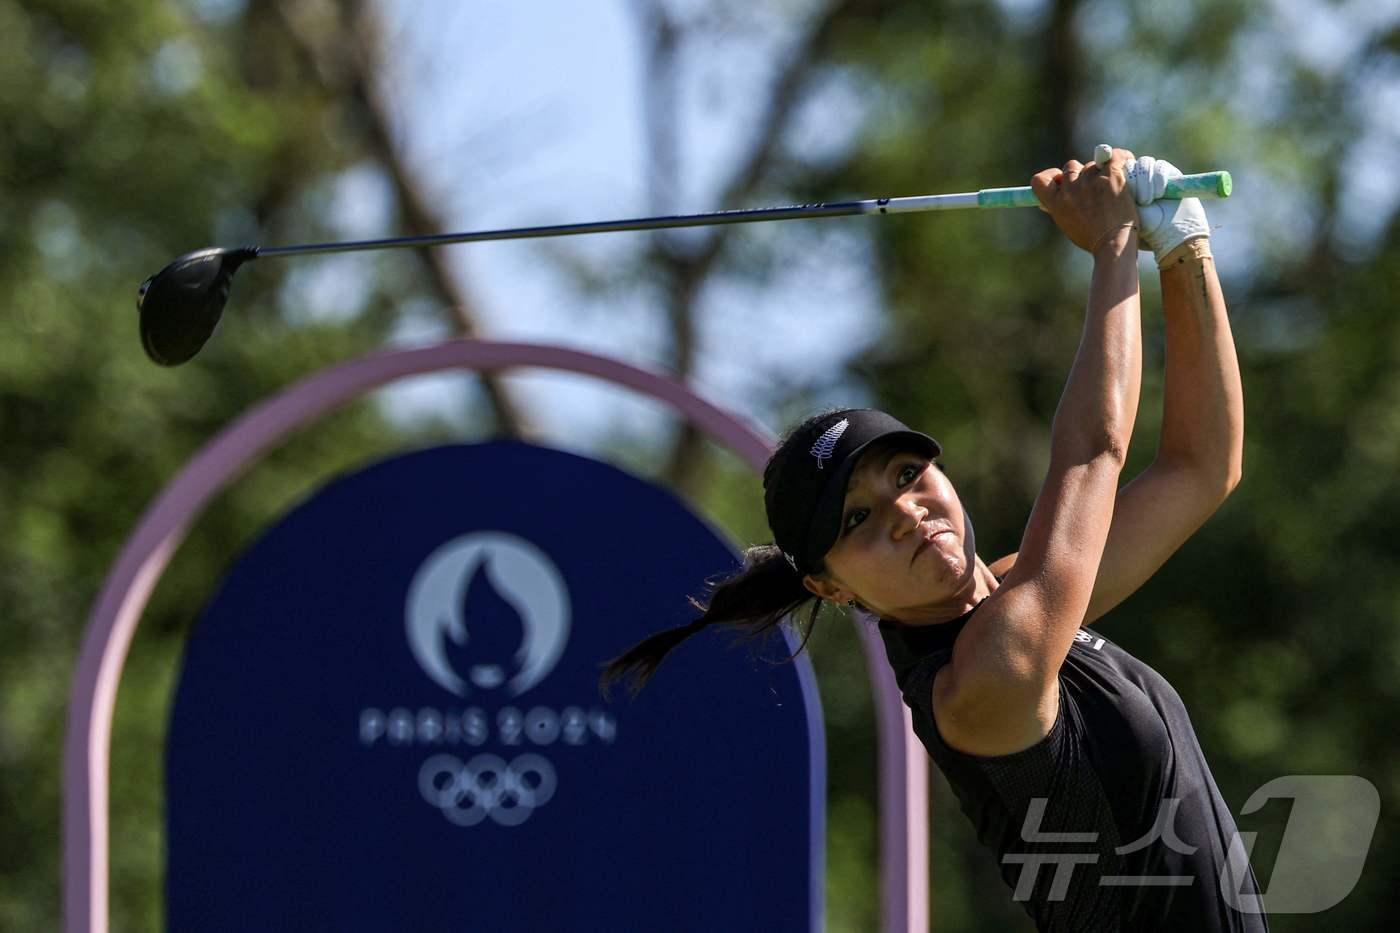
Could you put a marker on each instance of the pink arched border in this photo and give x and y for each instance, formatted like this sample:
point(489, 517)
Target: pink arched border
point(125, 592)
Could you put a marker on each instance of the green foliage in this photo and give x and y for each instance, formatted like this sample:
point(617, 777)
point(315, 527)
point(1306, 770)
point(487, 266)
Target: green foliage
point(135, 131)
point(132, 135)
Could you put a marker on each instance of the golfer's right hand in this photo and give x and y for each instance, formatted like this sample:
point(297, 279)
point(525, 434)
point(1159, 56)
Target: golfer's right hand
point(1088, 202)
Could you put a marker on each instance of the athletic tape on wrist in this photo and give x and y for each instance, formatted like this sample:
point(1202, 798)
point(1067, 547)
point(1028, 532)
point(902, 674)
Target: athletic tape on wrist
point(1196, 248)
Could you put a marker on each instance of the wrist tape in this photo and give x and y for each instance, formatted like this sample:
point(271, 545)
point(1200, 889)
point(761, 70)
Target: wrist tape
point(1196, 248)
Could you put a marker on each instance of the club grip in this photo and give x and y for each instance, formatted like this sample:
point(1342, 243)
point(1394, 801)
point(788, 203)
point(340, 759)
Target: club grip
point(1205, 185)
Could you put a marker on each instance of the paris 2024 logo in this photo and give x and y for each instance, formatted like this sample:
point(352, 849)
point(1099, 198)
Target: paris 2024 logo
point(489, 761)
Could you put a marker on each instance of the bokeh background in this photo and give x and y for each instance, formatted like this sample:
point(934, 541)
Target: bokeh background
point(135, 130)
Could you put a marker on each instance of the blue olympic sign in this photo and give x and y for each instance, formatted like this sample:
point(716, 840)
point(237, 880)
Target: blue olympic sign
point(387, 718)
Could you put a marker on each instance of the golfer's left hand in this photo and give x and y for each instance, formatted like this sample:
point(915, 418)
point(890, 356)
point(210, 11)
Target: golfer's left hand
point(1165, 224)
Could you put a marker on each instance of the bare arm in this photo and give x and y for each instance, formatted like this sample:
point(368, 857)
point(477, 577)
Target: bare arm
point(1044, 597)
point(1006, 660)
point(1201, 448)
point(1203, 412)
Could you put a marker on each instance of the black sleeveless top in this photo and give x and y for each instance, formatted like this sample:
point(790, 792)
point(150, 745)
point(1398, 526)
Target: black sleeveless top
point(1110, 822)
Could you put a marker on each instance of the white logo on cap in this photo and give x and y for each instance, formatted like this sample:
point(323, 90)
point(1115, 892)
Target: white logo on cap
point(826, 444)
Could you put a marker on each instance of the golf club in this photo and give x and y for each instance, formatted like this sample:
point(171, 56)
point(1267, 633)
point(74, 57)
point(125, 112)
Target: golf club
point(181, 304)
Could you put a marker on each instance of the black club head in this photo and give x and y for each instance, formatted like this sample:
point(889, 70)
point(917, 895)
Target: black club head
point(181, 304)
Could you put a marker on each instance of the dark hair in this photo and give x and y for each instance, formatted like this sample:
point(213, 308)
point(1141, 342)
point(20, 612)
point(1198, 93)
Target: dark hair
point(755, 600)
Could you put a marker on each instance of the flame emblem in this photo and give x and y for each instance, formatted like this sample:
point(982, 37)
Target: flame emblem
point(521, 574)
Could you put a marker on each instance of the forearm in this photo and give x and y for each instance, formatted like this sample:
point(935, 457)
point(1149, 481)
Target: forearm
point(1203, 404)
point(1100, 399)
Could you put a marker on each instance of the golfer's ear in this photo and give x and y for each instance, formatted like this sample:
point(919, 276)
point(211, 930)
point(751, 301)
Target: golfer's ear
point(826, 589)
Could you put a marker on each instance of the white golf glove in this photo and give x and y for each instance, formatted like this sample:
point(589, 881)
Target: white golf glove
point(1165, 224)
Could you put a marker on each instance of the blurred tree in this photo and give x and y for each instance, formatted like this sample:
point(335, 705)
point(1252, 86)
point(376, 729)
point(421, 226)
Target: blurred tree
point(136, 131)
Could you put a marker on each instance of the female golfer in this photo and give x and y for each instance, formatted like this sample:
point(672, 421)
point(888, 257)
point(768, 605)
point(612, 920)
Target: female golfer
point(1076, 762)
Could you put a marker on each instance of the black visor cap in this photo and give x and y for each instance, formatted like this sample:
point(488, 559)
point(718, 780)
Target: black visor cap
point(806, 493)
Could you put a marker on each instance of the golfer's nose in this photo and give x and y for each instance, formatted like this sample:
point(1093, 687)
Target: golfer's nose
point(907, 516)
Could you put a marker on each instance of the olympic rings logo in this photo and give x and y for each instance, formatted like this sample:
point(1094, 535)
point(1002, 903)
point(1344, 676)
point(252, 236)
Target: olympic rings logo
point(487, 786)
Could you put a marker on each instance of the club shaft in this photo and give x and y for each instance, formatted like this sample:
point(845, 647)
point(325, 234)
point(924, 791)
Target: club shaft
point(833, 209)
point(1210, 185)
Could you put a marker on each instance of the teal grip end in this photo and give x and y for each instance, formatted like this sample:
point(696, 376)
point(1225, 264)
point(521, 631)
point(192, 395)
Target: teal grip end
point(1204, 185)
point(1007, 197)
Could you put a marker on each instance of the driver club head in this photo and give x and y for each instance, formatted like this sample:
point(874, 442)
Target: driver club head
point(181, 304)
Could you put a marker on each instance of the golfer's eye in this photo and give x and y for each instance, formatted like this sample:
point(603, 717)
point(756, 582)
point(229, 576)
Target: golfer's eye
point(910, 473)
point(854, 518)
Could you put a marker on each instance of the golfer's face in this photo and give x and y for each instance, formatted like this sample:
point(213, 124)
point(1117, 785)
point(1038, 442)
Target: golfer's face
point(905, 544)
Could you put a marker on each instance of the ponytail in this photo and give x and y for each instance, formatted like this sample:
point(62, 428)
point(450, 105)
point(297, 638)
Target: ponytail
point(755, 599)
